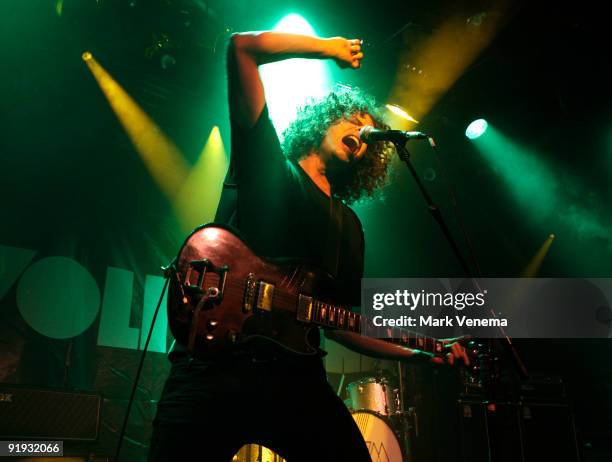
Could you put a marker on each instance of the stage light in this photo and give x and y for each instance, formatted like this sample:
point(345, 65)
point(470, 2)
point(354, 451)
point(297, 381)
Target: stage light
point(432, 63)
point(547, 195)
point(476, 129)
point(161, 157)
point(400, 112)
point(289, 84)
point(529, 178)
point(533, 267)
point(59, 7)
point(199, 196)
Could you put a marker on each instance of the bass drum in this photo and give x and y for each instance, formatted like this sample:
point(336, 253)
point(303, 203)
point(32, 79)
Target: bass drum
point(256, 453)
point(380, 439)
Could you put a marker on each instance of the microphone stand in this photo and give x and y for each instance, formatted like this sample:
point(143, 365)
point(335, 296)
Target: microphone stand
point(404, 155)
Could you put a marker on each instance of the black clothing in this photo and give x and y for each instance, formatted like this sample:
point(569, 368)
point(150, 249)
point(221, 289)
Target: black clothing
point(285, 405)
point(280, 212)
point(254, 395)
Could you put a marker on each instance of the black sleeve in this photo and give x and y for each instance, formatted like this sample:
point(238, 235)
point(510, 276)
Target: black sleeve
point(257, 173)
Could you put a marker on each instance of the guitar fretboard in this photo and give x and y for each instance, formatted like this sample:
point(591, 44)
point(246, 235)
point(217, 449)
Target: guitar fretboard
point(328, 315)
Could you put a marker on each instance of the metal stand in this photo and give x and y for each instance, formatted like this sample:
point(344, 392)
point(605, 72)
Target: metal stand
point(404, 155)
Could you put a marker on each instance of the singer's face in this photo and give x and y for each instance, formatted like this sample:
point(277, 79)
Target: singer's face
point(341, 141)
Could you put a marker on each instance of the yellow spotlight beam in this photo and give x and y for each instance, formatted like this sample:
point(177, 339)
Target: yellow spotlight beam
point(400, 112)
point(433, 66)
point(533, 267)
point(199, 196)
point(161, 157)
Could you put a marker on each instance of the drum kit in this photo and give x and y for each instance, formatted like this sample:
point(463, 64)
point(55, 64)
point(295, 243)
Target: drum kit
point(377, 409)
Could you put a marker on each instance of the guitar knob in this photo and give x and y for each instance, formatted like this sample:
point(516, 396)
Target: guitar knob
point(233, 336)
point(211, 324)
point(210, 337)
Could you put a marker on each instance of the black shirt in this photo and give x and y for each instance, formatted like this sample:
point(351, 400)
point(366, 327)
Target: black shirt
point(281, 213)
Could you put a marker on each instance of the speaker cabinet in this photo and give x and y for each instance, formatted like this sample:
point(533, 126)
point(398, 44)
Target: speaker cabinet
point(489, 431)
point(548, 433)
point(31, 413)
point(511, 432)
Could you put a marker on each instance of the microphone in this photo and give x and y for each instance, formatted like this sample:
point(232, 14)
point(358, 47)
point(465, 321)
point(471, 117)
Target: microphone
point(369, 134)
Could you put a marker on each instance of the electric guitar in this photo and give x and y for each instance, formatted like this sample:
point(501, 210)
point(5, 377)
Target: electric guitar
point(222, 293)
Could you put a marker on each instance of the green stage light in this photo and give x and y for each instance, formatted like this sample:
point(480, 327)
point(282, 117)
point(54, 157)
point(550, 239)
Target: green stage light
point(476, 129)
point(289, 84)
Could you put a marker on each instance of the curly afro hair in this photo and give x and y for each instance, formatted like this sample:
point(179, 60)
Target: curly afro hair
point(307, 131)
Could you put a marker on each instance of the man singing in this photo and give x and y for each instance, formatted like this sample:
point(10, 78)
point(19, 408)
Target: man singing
point(287, 202)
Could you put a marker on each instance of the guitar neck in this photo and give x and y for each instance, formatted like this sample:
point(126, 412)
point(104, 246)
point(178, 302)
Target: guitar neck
point(338, 317)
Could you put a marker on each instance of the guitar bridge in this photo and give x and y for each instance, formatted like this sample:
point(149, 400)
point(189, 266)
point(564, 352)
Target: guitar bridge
point(201, 267)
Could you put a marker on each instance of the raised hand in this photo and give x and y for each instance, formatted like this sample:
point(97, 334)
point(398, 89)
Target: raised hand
point(346, 52)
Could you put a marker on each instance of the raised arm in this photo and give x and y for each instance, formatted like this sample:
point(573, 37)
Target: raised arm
point(248, 50)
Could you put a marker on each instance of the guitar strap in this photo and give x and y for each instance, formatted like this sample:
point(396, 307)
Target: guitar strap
point(334, 234)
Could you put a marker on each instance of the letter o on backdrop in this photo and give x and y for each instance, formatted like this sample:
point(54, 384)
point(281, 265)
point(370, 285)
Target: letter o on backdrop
point(58, 297)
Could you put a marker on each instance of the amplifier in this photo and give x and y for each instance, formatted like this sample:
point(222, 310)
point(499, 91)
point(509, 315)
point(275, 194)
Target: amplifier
point(35, 413)
point(509, 432)
point(550, 389)
point(489, 431)
point(548, 433)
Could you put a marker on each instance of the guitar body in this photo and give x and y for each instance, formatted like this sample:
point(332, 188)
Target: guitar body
point(222, 293)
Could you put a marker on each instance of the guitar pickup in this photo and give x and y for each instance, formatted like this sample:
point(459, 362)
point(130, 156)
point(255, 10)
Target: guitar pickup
point(265, 294)
point(304, 310)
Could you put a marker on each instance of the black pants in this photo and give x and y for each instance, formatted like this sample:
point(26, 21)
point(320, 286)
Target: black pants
point(208, 410)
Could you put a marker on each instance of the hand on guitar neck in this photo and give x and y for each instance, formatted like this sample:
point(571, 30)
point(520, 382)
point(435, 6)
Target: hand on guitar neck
point(456, 351)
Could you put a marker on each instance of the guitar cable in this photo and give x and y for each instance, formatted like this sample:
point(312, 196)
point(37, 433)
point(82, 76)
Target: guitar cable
point(139, 370)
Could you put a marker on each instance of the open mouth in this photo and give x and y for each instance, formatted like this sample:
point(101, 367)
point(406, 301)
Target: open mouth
point(352, 143)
